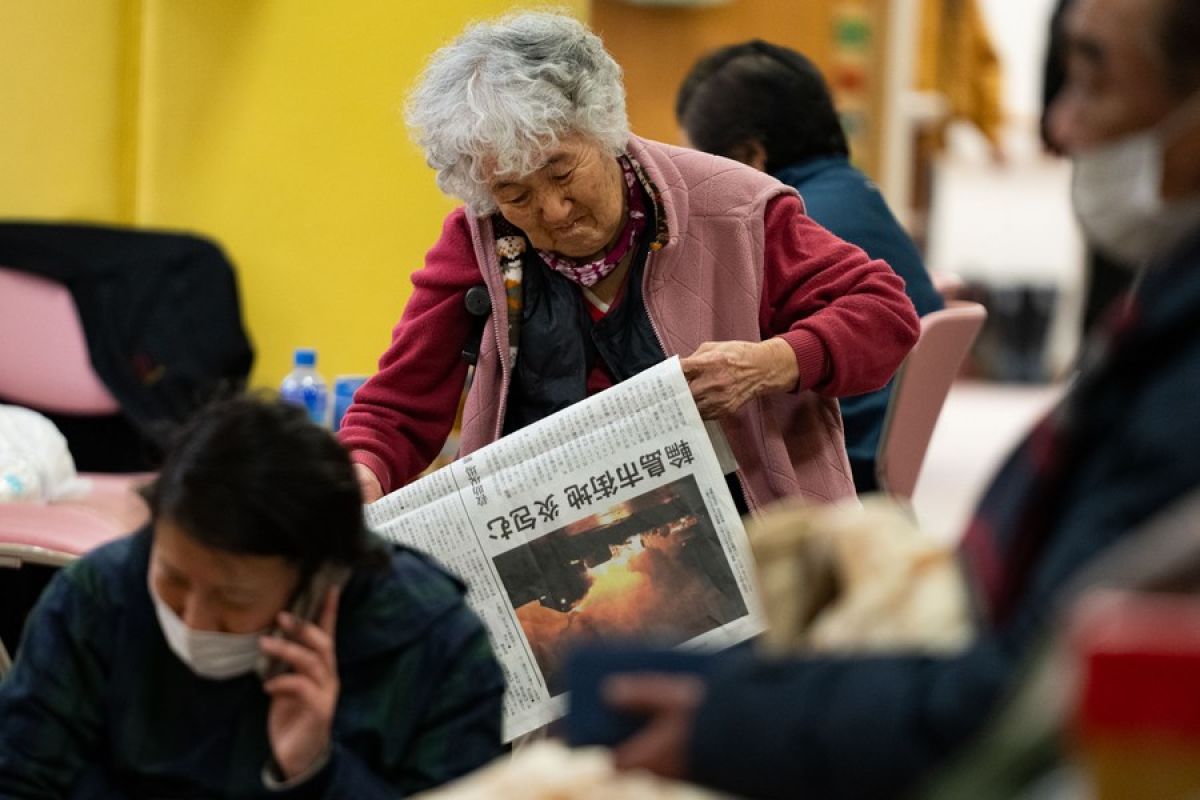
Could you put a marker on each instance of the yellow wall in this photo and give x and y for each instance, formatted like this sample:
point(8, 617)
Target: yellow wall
point(276, 127)
point(67, 86)
point(271, 125)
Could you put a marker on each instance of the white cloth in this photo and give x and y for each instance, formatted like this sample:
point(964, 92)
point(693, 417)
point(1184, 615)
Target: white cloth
point(35, 464)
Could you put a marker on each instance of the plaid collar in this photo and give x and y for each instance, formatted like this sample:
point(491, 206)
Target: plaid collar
point(1018, 515)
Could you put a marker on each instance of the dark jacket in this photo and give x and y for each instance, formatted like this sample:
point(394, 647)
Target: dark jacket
point(560, 343)
point(1125, 444)
point(98, 706)
point(844, 200)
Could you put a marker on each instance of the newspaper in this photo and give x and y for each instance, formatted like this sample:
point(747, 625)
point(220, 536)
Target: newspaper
point(609, 519)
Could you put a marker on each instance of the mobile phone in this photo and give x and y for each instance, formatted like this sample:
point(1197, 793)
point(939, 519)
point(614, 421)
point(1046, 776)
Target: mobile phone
point(305, 606)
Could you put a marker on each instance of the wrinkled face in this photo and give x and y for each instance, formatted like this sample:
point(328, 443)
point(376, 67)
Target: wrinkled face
point(1117, 86)
point(215, 590)
point(574, 205)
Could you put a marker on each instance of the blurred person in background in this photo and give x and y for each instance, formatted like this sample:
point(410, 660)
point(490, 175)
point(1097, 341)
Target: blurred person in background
point(602, 254)
point(177, 662)
point(769, 107)
point(1123, 445)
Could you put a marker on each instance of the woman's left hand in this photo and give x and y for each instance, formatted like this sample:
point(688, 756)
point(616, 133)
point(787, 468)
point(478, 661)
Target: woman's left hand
point(724, 375)
point(300, 719)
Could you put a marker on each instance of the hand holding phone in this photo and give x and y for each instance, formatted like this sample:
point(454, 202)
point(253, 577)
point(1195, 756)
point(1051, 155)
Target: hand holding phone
point(301, 676)
point(306, 607)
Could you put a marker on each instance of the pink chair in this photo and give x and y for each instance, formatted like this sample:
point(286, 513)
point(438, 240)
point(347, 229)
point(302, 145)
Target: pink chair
point(44, 365)
point(55, 534)
point(949, 285)
point(922, 383)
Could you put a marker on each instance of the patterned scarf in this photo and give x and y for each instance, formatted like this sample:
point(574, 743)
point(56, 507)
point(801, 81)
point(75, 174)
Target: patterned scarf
point(1019, 514)
point(511, 246)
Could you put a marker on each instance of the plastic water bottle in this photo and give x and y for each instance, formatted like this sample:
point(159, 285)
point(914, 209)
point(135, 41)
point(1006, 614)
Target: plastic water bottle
point(305, 387)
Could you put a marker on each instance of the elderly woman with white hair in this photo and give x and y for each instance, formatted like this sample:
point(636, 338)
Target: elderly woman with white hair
point(602, 254)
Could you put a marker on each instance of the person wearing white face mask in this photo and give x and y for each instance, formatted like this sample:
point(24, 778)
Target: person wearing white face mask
point(1129, 116)
point(1122, 446)
point(255, 640)
point(1104, 278)
point(1117, 190)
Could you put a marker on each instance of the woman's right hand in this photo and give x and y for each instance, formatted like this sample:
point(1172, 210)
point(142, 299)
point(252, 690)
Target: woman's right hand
point(303, 699)
point(724, 376)
point(368, 484)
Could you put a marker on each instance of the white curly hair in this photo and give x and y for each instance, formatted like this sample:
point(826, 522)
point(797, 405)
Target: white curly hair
point(502, 93)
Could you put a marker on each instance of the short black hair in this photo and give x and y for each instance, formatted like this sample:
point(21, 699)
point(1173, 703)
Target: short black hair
point(760, 91)
point(1180, 40)
point(251, 475)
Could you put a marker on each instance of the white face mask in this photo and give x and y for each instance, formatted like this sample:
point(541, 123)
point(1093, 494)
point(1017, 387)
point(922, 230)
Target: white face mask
point(1115, 192)
point(208, 654)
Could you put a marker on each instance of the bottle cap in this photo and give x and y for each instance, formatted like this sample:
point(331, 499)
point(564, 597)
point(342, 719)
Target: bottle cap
point(305, 357)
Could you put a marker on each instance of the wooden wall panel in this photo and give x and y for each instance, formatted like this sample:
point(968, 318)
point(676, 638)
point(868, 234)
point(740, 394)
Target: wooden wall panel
point(657, 45)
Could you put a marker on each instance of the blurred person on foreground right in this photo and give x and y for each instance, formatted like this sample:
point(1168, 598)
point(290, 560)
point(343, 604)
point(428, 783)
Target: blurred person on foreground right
point(1123, 445)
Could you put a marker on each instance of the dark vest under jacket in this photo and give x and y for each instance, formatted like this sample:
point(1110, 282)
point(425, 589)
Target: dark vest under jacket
point(560, 343)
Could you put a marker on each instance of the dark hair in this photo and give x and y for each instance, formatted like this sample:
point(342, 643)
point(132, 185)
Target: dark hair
point(1180, 39)
point(252, 475)
point(760, 91)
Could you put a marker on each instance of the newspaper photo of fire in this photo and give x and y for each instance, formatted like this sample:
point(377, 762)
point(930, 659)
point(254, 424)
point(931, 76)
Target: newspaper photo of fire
point(649, 568)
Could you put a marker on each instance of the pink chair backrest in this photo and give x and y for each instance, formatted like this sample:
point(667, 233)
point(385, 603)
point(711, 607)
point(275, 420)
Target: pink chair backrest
point(922, 384)
point(44, 361)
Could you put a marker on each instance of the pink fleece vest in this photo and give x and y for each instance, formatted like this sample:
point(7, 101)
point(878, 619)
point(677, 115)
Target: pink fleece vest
point(704, 285)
